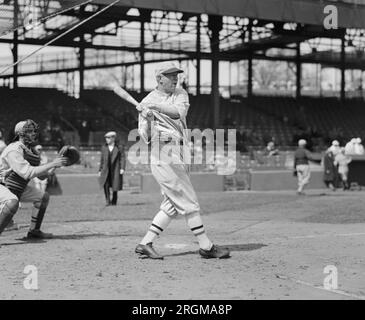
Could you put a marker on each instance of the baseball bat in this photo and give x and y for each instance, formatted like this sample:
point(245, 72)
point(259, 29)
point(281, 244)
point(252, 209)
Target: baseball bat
point(127, 97)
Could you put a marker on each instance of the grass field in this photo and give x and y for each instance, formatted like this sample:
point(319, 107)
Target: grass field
point(280, 245)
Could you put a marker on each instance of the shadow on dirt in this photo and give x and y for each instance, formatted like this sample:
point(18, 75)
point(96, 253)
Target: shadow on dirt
point(23, 241)
point(245, 247)
point(232, 247)
point(69, 237)
point(89, 235)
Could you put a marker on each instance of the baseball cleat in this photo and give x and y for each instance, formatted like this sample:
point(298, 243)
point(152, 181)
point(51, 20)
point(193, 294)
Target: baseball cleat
point(215, 252)
point(38, 234)
point(147, 251)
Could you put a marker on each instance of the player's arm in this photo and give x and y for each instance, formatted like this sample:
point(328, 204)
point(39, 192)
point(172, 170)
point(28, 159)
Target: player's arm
point(308, 154)
point(168, 109)
point(23, 168)
point(177, 110)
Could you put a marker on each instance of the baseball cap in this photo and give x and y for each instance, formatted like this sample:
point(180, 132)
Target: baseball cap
point(19, 127)
point(358, 140)
point(302, 142)
point(110, 134)
point(166, 68)
point(335, 143)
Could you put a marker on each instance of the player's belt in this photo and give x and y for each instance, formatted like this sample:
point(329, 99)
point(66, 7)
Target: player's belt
point(172, 140)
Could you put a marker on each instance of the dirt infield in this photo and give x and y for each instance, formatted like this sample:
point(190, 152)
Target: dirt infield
point(280, 245)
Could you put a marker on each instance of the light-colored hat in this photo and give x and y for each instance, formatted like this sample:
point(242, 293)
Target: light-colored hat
point(110, 134)
point(353, 140)
point(358, 140)
point(335, 143)
point(166, 68)
point(19, 127)
point(302, 142)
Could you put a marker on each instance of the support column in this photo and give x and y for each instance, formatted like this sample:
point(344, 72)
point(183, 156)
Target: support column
point(298, 73)
point(15, 59)
point(142, 51)
point(15, 45)
point(230, 79)
point(343, 69)
point(250, 70)
point(81, 66)
point(198, 48)
point(215, 24)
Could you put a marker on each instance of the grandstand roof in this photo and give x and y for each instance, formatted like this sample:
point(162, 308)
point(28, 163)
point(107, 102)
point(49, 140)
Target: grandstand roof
point(351, 13)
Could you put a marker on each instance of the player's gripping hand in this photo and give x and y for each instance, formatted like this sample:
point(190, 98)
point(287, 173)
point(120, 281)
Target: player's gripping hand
point(145, 111)
point(59, 162)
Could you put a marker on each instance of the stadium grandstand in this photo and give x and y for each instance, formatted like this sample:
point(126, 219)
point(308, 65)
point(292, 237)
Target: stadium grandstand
point(269, 68)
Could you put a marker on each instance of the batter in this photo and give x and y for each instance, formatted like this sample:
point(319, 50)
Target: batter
point(170, 106)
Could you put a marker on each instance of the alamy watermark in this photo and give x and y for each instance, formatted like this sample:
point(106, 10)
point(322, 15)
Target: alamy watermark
point(31, 280)
point(331, 19)
point(330, 282)
point(210, 147)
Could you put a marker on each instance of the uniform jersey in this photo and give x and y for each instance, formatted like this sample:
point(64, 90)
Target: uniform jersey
point(301, 156)
point(13, 158)
point(19, 163)
point(163, 127)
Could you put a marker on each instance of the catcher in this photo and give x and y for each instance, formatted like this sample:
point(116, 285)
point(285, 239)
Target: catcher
point(19, 164)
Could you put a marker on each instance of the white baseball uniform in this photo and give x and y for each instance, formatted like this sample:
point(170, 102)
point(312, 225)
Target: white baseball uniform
point(167, 156)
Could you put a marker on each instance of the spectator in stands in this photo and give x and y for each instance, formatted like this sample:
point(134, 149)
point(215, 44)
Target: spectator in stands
point(358, 147)
point(342, 161)
point(270, 150)
point(335, 147)
point(330, 170)
point(350, 146)
point(301, 165)
point(112, 166)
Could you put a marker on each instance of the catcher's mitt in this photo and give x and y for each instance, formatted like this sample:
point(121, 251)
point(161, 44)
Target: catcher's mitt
point(71, 153)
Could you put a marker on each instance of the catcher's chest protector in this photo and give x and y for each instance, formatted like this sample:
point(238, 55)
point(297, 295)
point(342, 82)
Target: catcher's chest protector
point(15, 183)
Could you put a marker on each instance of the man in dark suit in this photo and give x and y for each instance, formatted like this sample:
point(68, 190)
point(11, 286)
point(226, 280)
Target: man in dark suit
point(112, 166)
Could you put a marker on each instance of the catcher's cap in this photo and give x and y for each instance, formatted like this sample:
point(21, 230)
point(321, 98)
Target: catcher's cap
point(110, 134)
point(302, 142)
point(166, 68)
point(19, 127)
